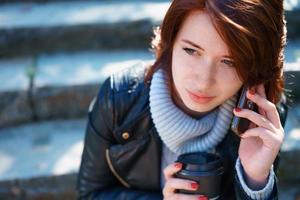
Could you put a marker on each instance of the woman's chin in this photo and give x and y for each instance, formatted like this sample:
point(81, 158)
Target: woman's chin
point(200, 108)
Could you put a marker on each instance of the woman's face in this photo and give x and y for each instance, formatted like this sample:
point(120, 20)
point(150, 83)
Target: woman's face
point(202, 69)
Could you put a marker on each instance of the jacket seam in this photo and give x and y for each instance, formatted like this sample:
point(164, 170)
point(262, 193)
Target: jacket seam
point(113, 170)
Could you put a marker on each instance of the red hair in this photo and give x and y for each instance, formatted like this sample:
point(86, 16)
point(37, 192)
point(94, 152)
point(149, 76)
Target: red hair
point(254, 31)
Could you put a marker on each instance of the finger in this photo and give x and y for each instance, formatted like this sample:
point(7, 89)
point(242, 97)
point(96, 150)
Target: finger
point(176, 183)
point(271, 140)
point(171, 169)
point(260, 89)
point(186, 197)
point(267, 106)
point(254, 117)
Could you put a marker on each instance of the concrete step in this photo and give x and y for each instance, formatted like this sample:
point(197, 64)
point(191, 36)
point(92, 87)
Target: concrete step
point(56, 187)
point(54, 148)
point(30, 28)
point(65, 102)
point(64, 84)
point(66, 69)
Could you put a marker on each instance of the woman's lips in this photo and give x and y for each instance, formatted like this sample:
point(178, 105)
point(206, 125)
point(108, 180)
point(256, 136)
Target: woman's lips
point(200, 98)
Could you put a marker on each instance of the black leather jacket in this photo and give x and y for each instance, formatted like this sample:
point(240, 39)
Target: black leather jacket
point(122, 150)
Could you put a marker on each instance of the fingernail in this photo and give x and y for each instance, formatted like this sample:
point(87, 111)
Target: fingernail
point(178, 165)
point(237, 109)
point(252, 91)
point(203, 198)
point(194, 185)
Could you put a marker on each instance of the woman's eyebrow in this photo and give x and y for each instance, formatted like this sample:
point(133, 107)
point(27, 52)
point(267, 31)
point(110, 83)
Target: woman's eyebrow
point(193, 44)
point(230, 57)
point(199, 47)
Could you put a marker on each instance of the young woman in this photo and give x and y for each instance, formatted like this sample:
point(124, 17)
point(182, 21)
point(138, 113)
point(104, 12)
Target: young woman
point(145, 117)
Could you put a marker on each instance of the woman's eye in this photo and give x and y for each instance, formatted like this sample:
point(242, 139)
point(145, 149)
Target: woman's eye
point(228, 62)
point(190, 51)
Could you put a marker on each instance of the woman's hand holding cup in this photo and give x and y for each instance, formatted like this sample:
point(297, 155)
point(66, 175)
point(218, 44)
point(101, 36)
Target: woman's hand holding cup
point(172, 184)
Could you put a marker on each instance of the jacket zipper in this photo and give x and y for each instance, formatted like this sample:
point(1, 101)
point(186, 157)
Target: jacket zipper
point(124, 183)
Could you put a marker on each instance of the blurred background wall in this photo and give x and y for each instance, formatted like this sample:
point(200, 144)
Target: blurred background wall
point(54, 55)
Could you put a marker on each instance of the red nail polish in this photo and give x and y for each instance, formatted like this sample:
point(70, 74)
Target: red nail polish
point(178, 165)
point(203, 198)
point(252, 91)
point(194, 185)
point(238, 109)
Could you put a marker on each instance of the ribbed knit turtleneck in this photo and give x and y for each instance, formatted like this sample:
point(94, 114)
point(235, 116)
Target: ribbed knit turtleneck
point(180, 132)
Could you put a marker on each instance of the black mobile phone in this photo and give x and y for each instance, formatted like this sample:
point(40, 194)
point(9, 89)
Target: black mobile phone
point(240, 125)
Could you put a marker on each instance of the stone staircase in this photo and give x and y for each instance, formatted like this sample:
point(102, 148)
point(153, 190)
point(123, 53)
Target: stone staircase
point(54, 55)
point(78, 25)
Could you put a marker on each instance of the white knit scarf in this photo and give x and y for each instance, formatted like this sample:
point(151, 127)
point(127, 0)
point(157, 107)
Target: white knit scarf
point(180, 132)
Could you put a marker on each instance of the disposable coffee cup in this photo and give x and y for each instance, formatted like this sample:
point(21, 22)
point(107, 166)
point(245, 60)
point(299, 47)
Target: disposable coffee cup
point(204, 168)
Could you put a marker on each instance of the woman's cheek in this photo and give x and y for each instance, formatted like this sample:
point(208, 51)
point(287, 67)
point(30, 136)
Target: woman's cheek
point(227, 74)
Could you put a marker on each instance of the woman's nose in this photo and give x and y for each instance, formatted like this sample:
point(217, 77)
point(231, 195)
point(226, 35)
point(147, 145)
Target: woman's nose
point(205, 76)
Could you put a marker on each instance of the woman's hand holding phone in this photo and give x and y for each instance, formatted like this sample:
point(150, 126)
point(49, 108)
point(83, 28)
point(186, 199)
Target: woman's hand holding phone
point(261, 143)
